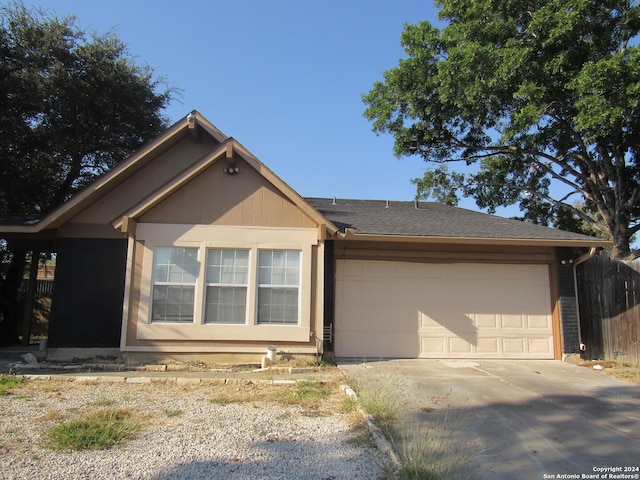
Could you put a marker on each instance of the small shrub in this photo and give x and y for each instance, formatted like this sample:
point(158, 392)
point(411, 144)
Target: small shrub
point(97, 430)
point(9, 382)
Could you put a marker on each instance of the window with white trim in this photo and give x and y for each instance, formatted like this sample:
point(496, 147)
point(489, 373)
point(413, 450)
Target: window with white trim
point(227, 278)
point(175, 274)
point(278, 287)
point(240, 286)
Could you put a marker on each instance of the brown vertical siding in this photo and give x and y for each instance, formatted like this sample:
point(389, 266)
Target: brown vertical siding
point(149, 178)
point(215, 198)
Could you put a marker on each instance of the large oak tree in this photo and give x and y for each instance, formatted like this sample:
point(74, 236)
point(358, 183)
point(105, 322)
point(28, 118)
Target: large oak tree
point(537, 100)
point(72, 106)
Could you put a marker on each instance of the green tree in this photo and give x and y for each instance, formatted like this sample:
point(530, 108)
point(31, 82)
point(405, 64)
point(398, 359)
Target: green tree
point(72, 106)
point(537, 100)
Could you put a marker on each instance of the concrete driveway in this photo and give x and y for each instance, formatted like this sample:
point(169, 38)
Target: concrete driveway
point(526, 419)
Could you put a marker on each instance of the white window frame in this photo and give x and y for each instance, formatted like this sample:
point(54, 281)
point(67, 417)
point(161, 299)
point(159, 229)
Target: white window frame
point(170, 283)
point(221, 285)
point(205, 236)
point(260, 285)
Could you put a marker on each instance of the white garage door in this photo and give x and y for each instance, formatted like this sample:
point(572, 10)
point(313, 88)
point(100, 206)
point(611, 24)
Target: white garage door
point(425, 310)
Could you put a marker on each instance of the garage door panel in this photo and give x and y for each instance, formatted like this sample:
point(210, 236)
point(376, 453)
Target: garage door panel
point(486, 320)
point(378, 345)
point(539, 321)
point(435, 345)
point(489, 346)
point(414, 310)
point(459, 347)
point(542, 346)
point(513, 346)
point(512, 321)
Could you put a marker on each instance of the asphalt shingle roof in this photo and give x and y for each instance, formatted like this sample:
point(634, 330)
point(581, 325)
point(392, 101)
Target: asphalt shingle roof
point(379, 217)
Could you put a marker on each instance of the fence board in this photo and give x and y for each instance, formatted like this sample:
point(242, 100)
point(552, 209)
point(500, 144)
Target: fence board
point(609, 302)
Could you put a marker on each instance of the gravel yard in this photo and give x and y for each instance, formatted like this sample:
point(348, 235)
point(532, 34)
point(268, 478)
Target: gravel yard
point(199, 431)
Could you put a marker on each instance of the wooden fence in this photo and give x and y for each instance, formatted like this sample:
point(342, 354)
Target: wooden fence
point(43, 287)
point(609, 302)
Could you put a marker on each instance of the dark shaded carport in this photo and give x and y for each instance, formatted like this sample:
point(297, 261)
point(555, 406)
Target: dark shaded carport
point(16, 302)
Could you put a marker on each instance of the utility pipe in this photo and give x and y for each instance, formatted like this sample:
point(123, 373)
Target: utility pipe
point(579, 260)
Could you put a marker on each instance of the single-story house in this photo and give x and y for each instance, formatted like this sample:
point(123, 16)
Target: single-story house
point(193, 248)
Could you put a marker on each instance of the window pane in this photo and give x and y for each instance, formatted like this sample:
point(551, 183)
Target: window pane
point(175, 265)
point(278, 305)
point(174, 276)
point(227, 266)
point(213, 274)
point(279, 267)
point(225, 305)
point(278, 292)
point(172, 303)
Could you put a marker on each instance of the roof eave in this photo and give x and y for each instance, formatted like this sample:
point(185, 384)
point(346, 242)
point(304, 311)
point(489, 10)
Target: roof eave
point(527, 242)
point(59, 215)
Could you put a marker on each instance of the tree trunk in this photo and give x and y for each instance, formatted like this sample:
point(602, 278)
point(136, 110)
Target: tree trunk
point(621, 243)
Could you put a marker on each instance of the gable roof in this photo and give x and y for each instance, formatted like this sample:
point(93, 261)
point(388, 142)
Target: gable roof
point(436, 222)
point(362, 219)
point(225, 151)
point(192, 124)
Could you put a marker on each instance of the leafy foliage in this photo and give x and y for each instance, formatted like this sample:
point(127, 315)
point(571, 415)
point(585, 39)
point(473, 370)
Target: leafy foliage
point(71, 107)
point(537, 100)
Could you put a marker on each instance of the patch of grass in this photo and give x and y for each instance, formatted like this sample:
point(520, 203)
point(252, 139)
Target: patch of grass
point(221, 400)
point(292, 361)
point(307, 394)
point(622, 371)
point(173, 413)
point(51, 416)
point(103, 402)
point(242, 394)
point(381, 399)
point(97, 430)
point(437, 449)
point(9, 382)
point(434, 449)
point(348, 405)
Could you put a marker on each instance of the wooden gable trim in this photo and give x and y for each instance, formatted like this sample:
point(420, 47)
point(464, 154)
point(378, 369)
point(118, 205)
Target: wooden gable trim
point(121, 172)
point(177, 182)
point(289, 192)
point(228, 149)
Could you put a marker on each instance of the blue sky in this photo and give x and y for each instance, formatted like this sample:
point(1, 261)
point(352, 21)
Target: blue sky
point(283, 77)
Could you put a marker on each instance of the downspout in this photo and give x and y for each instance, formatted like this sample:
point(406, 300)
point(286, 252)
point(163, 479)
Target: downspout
point(581, 259)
